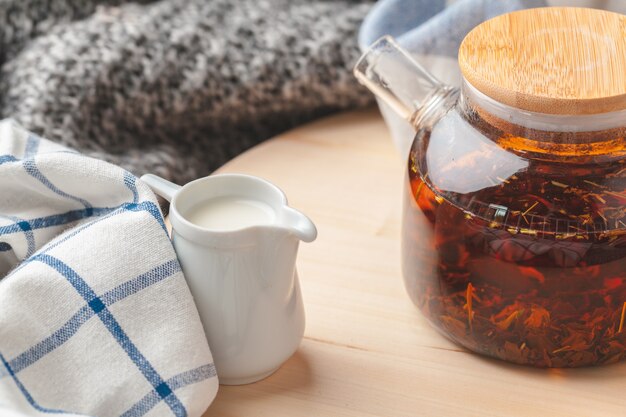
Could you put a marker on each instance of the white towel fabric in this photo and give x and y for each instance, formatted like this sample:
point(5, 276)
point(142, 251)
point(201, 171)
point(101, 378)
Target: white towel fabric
point(96, 318)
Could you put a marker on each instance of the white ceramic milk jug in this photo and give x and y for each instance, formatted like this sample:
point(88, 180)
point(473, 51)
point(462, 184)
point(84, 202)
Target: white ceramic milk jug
point(237, 240)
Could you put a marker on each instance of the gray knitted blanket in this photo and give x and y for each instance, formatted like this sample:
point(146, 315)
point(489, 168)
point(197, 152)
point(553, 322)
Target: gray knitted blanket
point(175, 87)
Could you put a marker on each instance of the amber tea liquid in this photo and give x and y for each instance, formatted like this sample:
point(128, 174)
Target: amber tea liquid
point(531, 269)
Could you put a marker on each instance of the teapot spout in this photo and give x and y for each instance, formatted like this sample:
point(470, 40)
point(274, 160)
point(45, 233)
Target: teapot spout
point(298, 224)
point(394, 76)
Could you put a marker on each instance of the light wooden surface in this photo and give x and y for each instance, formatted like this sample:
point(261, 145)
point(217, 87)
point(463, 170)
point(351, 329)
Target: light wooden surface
point(550, 60)
point(367, 351)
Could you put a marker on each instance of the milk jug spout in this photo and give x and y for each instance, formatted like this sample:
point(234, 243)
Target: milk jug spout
point(395, 77)
point(293, 221)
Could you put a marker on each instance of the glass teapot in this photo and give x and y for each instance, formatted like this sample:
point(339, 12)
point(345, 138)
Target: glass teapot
point(514, 225)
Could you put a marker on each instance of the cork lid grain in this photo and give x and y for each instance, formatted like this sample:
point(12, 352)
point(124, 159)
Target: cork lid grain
point(557, 60)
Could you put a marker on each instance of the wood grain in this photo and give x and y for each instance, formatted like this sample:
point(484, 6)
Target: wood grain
point(367, 351)
point(557, 60)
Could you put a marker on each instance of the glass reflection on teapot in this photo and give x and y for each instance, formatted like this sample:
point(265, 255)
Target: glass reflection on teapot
point(514, 225)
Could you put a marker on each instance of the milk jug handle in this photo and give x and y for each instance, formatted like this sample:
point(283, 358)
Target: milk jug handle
point(161, 186)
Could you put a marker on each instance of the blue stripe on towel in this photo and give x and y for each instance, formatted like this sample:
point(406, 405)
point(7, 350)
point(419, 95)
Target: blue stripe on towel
point(25, 392)
point(181, 380)
point(55, 219)
point(107, 318)
point(32, 145)
point(56, 339)
point(148, 206)
point(22, 225)
point(31, 167)
point(65, 332)
point(130, 182)
point(74, 232)
point(7, 158)
point(141, 282)
point(151, 208)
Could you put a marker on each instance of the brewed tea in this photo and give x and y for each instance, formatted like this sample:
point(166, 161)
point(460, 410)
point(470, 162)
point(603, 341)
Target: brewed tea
point(531, 269)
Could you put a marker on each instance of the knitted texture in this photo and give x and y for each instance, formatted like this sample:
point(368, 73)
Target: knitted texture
point(175, 87)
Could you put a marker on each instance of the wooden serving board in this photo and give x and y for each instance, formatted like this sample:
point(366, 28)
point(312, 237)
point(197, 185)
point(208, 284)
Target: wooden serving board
point(367, 350)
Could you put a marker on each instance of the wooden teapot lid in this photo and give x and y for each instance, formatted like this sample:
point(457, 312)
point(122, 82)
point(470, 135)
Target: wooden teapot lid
point(556, 60)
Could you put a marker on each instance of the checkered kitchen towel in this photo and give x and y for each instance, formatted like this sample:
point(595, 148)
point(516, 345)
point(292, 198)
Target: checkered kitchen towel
point(95, 316)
